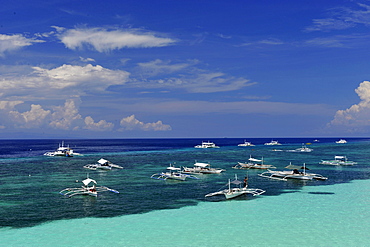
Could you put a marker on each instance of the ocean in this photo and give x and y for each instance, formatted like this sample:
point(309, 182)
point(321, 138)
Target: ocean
point(149, 212)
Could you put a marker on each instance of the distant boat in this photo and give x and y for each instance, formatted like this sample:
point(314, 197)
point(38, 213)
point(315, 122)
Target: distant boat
point(303, 149)
point(338, 160)
point(102, 164)
point(341, 141)
point(207, 145)
point(245, 144)
point(272, 143)
point(202, 168)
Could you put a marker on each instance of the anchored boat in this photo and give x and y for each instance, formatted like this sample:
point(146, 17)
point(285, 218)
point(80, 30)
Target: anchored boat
point(236, 189)
point(88, 188)
point(294, 173)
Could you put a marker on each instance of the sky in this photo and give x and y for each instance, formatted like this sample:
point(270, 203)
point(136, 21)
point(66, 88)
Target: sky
point(184, 69)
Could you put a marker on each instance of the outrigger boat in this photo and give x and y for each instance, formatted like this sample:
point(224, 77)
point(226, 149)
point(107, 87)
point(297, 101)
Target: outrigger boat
point(293, 174)
point(172, 173)
point(202, 168)
point(253, 164)
point(88, 188)
point(338, 160)
point(237, 189)
point(102, 164)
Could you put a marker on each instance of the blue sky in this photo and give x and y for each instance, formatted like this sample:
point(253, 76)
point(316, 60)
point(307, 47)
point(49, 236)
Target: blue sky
point(135, 69)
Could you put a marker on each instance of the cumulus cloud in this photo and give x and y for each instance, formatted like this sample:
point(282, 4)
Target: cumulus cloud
point(30, 119)
point(131, 123)
point(9, 105)
point(104, 40)
point(64, 116)
point(102, 125)
point(15, 42)
point(356, 117)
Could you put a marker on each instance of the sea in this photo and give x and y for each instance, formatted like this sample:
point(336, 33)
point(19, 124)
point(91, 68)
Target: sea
point(151, 212)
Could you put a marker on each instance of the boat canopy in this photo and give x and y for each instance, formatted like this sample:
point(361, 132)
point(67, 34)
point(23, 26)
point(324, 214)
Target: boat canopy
point(103, 161)
point(201, 164)
point(173, 168)
point(87, 181)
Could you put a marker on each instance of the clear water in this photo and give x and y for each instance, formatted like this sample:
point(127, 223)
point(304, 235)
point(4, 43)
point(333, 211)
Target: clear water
point(156, 213)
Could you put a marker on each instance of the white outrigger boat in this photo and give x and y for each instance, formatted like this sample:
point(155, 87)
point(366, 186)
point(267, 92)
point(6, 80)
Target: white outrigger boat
point(293, 174)
point(341, 141)
point(172, 173)
point(88, 188)
point(303, 149)
point(253, 164)
point(102, 164)
point(62, 151)
point(237, 190)
point(202, 168)
point(338, 160)
point(207, 145)
point(246, 144)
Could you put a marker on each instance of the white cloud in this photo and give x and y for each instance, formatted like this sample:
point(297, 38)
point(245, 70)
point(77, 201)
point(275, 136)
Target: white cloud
point(61, 82)
point(87, 59)
point(131, 123)
point(63, 117)
point(159, 66)
point(102, 125)
point(342, 18)
point(104, 40)
point(30, 119)
point(202, 82)
point(357, 117)
point(14, 42)
point(9, 105)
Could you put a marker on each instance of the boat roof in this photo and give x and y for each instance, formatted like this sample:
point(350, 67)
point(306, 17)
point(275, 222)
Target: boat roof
point(339, 157)
point(201, 164)
point(237, 182)
point(295, 167)
point(255, 160)
point(87, 181)
point(173, 168)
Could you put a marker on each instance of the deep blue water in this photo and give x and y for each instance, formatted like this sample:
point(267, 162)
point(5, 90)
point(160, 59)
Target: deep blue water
point(30, 182)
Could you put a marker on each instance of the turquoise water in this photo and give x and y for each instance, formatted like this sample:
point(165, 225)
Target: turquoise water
point(335, 215)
